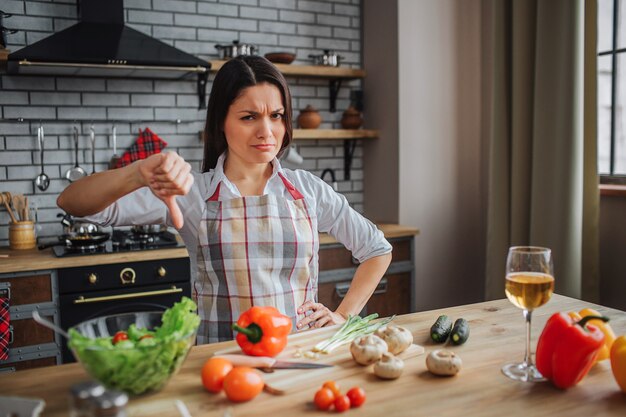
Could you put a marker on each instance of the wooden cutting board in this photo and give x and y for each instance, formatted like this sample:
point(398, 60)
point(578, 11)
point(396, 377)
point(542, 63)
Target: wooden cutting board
point(341, 359)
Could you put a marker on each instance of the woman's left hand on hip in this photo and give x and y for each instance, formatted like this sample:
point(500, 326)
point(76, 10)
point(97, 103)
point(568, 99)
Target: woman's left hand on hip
point(320, 316)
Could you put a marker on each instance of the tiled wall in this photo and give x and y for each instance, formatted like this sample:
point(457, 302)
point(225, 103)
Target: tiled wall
point(299, 26)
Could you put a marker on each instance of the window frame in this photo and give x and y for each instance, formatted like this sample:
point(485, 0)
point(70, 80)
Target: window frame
point(612, 177)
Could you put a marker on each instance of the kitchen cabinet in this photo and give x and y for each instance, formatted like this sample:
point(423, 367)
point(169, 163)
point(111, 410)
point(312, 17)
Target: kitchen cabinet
point(394, 293)
point(31, 345)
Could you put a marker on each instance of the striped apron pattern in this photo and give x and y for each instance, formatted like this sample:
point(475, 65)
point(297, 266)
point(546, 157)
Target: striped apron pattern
point(257, 250)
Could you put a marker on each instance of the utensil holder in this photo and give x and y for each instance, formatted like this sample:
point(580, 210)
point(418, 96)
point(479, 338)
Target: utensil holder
point(22, 235)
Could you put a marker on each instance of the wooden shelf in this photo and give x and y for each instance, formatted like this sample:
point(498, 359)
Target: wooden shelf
point(308, 70)
point(315, 134)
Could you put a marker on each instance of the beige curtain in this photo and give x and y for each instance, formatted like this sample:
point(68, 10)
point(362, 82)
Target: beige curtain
point(543, 182)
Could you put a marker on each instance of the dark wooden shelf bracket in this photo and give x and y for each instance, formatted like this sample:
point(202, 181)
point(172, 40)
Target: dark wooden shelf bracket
point(334, 85)
point(348, 152)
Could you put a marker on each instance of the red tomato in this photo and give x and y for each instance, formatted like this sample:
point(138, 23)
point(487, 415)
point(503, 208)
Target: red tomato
point(119, 336)
point(324, 398)
point(356, 396)
point(213, 373)
point(342, 403)
point(332, 385)
point(243, 384)
point(146, 336)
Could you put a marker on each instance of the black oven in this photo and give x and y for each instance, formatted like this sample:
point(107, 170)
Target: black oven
point(93, 291)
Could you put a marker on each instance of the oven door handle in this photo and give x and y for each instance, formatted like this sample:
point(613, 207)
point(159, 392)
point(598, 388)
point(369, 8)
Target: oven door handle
point(83, 300)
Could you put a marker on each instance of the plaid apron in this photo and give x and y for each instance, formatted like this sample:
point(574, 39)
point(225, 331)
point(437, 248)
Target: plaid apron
point(258, 250)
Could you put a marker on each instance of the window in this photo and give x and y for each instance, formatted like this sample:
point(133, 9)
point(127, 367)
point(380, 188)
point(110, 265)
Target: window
point(612, 91)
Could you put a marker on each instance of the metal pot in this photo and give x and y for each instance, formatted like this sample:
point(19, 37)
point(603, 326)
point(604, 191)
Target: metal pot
point(236, 49)
point(328, 58)
point(73, 227)
point(149, 229)
point(77, 240)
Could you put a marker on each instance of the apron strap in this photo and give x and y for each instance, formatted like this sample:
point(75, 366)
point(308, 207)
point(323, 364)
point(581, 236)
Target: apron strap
point(216, 194)
point(290, 188)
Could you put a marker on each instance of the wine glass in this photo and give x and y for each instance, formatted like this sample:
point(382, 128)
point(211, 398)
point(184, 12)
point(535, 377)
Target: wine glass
point(529, 284)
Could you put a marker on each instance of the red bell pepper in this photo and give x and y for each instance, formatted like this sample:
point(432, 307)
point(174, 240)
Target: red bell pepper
point(567, 349)
point(262, 331)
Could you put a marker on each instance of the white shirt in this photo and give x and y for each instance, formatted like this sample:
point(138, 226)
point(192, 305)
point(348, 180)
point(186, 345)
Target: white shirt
point(334, 214)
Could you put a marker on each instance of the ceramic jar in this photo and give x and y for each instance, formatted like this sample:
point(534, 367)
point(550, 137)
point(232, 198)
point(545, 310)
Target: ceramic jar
point(351, 118)
point(309, 118)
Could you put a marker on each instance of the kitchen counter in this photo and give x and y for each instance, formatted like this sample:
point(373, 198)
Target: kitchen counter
point(497, 336)
point(36, 260)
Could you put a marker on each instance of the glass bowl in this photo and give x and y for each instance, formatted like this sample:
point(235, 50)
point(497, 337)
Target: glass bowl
point(134, 368)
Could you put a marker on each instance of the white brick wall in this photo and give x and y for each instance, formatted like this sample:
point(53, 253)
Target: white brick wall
point(301, 26)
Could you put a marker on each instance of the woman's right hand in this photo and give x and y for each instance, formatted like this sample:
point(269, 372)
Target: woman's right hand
point(168, 175)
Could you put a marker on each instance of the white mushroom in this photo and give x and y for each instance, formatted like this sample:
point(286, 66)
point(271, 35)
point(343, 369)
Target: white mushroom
point(389, 367)
point(367, 349)
point(443, 362)
point(398, 339)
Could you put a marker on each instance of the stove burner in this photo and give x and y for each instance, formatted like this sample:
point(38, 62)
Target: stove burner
point(85, 248)
point(121, 241)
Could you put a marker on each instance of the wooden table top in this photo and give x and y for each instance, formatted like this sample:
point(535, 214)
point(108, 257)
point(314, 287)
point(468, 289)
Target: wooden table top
point(480, 389)
point(38, 260)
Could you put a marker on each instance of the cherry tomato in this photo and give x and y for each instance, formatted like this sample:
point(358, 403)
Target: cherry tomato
point(119, 336)
point(243, 384)
point(324, 398)
point(356, 396)
point(342, 403)
point(332, 385)
point(146, 336)
point(213, 373)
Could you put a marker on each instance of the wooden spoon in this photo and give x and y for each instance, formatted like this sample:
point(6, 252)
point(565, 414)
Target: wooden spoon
point(5, 201)
point(16, 201)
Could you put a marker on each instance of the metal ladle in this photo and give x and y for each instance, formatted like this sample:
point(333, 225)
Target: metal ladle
point(77, 172)
point(42, 181)
point(50, 325)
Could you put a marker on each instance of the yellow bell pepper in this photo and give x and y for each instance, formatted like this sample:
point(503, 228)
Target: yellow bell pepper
point(609, 335)
point(618, 361)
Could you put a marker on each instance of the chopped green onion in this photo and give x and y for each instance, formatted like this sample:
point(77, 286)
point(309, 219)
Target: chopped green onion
point(354, 327)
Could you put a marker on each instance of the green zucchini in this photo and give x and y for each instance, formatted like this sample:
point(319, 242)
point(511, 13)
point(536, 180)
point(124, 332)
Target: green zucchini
point(460, 332)
point(440, 331)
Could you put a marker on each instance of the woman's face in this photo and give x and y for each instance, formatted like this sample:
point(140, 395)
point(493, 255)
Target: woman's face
point(254, 126)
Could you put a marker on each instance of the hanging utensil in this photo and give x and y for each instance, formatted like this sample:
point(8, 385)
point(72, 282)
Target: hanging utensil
point(77, 172)
point(115, 158)
point(92, 135)
point(42, 181)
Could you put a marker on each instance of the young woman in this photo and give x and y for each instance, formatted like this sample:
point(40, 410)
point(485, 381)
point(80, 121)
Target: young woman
point(250, 226)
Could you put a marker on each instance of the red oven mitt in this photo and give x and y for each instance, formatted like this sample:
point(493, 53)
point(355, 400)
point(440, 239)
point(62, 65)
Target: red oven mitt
point(147, 143)
point(4, 328)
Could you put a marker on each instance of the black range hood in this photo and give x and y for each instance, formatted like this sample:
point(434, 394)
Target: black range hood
point(100, 45)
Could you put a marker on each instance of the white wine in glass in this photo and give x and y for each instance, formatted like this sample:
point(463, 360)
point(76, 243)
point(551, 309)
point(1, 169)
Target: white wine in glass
point(529, 284)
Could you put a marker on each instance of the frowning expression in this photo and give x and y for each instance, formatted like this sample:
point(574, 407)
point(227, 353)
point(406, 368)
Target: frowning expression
point(254, 126)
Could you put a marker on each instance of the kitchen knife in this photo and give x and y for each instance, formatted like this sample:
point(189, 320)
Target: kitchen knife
point(267, 362)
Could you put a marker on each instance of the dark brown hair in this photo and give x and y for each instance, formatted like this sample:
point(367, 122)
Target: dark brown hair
point(236, 75)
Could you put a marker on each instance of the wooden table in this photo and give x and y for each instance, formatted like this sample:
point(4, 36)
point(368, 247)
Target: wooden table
point(497, 336)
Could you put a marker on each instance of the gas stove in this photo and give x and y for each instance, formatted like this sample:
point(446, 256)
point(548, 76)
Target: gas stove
point(122, 241)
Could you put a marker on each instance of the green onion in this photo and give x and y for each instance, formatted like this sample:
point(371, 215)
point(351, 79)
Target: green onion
point(354, 327)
